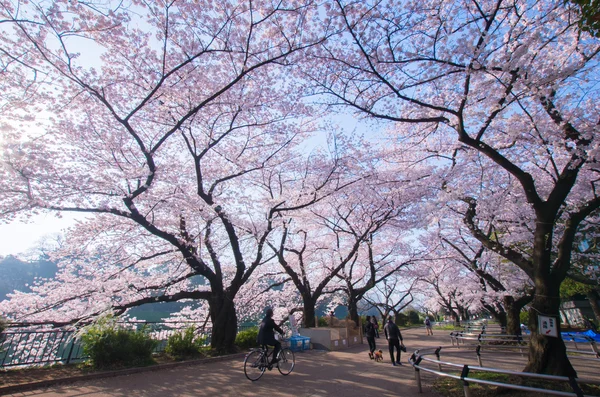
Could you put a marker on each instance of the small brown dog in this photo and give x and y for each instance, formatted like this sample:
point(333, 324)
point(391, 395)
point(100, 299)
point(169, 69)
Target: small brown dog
point(378, 356)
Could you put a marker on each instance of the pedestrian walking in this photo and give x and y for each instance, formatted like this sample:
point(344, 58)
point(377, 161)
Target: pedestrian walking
point(394, 338)
point(428, 326)
point(376, 325)
point(370, 334)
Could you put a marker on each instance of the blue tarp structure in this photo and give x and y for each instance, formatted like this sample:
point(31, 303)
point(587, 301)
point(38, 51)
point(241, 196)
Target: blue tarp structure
point(581, 336)
point(577, 336)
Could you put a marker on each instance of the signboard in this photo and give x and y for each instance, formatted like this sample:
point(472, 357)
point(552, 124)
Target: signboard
point(548, 326)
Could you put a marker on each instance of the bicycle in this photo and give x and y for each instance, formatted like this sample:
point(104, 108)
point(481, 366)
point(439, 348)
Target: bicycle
point(257, 361)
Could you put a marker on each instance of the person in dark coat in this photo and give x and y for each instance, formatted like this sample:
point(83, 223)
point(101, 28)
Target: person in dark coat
point(370, 334)
point(394, 338)
point(266, 334)
point(375, 325)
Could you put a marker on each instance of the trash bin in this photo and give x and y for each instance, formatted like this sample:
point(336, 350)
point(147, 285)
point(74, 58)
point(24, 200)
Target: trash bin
point(296, 343)
point(305, 343)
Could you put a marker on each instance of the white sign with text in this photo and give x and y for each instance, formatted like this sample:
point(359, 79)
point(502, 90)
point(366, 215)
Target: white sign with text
point(548, 326)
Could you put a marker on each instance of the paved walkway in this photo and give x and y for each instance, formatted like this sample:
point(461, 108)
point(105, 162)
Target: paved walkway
point(345, 373)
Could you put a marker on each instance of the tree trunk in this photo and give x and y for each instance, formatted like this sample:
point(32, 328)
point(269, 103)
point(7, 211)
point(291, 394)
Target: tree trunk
point(464, 312)
point(456, 318)
point(593, 296)
point(353, 309)
point(224, 322)
point(547, 355)
point(309, 312)
point(502, 318)
point(497, 312)
point(513, 319)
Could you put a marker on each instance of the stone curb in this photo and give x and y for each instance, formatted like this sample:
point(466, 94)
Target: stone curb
point(108, 374)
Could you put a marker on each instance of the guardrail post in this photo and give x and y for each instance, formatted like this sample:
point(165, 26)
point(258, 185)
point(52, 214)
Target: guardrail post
point(418, 378)
point(417, 360)
point(437, 354)
point(463, 375)
point(594, 348)
point(575, 386)
point(478, 352)
point(573, 340)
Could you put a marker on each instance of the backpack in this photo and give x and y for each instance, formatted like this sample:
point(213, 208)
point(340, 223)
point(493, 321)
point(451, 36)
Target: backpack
point(427, 322)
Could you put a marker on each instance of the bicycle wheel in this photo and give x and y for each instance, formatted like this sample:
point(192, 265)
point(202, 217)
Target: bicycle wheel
point(286, 361)
point(254, 365)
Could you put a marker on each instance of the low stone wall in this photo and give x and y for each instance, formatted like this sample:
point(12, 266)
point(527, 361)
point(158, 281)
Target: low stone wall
point(325, 338)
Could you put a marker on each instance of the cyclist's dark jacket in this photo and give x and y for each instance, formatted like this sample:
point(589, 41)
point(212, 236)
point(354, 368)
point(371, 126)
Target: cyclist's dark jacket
point(266, 334)
point(392, 331)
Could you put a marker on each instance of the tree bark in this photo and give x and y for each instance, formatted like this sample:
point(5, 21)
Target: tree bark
point(353, 309)
point(547, 355)
point(456, 318)
point(497, 312)
point(309, 312)
point(513, 318)
point(224, 322)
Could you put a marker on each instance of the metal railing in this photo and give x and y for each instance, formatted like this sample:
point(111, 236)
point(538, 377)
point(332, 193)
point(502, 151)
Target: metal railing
point(420, 356)
point(520, 342)
point(23, 346)
point(31, 347)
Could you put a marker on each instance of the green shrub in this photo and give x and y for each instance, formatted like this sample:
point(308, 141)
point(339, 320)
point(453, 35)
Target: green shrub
point(413, 317)
point(185, 343)
point(524, 317)
point(109, 345)
point(401, 319)
point(322, 322)
point(247, 338)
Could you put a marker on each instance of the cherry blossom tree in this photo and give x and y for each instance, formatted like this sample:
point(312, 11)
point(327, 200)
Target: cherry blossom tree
point(311, 255)
point(391, 295)
point(504, 288)
point(506, 92)
point(168, 123)
point(459, 300)
point(368, 269)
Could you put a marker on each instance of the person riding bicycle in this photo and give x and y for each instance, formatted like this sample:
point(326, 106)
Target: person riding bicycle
point(266, 334)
